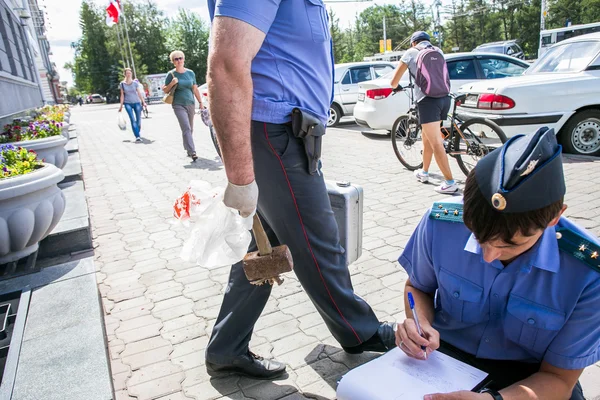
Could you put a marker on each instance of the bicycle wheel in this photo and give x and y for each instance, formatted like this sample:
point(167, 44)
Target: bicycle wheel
point(213, 136)
point(479, 137)
point(407, 142)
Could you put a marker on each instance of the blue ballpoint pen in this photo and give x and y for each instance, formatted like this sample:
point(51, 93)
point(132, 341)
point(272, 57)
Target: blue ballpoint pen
point(411, 303)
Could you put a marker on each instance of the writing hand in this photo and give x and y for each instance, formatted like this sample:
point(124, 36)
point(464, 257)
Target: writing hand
point(410, 342)
point(462, 395)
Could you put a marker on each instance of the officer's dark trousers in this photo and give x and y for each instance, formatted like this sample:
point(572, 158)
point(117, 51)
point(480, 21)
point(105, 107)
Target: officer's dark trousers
point(295, 210)
point(502, 373)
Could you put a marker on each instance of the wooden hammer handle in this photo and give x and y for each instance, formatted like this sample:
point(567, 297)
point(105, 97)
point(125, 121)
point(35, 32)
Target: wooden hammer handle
point(260, 236)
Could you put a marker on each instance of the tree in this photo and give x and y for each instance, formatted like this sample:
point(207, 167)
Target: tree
point(147, 32)
point(92, 58)
point(188, 33)
point(337, 37)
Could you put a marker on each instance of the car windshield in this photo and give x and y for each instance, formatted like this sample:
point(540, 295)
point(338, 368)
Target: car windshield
point(491, 49)
point(338, 74)
point(568, 57)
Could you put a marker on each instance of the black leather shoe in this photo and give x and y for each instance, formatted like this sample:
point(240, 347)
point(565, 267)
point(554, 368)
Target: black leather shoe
point(383, 340)
point(248, 365)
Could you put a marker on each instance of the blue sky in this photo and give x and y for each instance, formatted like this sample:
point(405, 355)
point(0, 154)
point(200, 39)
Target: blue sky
point(63, 20)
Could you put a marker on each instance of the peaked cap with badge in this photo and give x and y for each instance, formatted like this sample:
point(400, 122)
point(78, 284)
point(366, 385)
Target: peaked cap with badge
point(525, 174)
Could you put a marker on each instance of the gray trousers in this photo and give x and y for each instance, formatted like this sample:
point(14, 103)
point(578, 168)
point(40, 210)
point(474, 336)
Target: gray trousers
point(185, 116)
point(295, 210)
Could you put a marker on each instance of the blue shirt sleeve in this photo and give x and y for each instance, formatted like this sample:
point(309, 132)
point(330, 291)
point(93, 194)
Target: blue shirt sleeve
point(577, 345)
point(417, 257)
point(258, 13)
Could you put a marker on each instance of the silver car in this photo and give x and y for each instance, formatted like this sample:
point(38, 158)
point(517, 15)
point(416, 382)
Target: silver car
point(347, 78)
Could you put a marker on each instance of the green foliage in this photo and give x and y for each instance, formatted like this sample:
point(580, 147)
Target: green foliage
point(100, 56)
point(188, 33)
point(17, 161)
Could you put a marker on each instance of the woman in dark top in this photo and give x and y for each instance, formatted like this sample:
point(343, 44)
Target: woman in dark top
point(133, 101)
point(183, 101)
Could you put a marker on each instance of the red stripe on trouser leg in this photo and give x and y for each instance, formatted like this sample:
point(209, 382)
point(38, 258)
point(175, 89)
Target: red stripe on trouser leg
point(306, 235)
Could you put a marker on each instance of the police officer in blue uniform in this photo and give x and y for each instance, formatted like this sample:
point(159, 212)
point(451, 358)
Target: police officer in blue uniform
point(505, 283)
point(269, 59)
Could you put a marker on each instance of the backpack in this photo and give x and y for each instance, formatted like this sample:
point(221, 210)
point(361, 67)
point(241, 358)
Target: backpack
point(432, 73)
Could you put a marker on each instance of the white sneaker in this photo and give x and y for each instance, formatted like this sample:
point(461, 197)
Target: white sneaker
point(445, 188)
point(421, 176)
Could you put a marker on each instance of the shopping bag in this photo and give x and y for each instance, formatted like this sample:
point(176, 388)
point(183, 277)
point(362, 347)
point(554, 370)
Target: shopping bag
point(218, 235)
point(121, 121)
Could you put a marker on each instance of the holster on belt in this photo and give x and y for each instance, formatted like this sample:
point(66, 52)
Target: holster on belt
point(311, 131)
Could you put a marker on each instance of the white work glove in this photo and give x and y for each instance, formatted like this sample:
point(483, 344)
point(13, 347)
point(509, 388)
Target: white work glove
point(242, 198)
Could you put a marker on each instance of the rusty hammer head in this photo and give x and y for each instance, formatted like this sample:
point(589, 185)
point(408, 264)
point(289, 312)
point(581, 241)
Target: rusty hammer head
point(267, 263)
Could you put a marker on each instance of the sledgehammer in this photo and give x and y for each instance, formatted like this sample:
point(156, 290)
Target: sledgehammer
point(267, 263)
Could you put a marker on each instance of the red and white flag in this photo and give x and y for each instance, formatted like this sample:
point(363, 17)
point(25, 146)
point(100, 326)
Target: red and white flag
point(113, 12)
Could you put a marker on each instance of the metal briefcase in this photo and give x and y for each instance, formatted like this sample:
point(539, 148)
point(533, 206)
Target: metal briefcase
point(347, 204)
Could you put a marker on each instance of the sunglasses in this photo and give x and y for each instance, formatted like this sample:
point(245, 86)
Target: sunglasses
point(178, 58)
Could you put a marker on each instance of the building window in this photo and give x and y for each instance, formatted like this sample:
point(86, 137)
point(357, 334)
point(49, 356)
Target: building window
point(14, 51)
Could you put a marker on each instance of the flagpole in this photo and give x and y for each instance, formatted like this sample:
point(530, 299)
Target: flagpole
point(121, 47)
point(128, 42)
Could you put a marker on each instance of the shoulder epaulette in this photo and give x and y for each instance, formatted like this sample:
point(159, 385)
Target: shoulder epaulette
point(579, 247)
point(451, 212)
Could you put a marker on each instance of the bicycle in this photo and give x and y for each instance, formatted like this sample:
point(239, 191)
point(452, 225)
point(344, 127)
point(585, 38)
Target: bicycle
point(213, 134)
point(465, 140)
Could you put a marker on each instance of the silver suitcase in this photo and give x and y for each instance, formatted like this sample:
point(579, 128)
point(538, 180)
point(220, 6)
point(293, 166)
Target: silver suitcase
point(347, 204)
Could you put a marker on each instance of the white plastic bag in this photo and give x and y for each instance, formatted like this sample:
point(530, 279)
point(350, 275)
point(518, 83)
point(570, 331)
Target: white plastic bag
point(121, 121)
point(219, 236)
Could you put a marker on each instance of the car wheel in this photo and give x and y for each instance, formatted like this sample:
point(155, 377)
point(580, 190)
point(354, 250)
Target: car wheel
point(581, 135)
point(335, 115)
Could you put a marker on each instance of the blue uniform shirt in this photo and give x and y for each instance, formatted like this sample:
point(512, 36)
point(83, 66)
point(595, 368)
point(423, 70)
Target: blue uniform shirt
point(294, 66)
point(542, 306)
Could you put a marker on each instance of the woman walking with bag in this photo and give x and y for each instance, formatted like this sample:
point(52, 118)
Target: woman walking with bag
point(181, 88)
point(133, 101)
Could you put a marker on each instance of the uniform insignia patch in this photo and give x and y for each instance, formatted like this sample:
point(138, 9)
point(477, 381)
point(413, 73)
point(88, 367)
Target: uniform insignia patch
point(579, 247)
point(451, 212)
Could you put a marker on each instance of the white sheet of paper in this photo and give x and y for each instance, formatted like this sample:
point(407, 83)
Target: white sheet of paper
point(396, 376)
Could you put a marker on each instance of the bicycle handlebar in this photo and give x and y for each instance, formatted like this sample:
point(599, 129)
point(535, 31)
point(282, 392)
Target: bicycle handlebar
point(401, 88)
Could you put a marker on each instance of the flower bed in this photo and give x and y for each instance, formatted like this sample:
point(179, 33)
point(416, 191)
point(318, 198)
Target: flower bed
point(45, 137)
point(31, 204)
point(17, 161)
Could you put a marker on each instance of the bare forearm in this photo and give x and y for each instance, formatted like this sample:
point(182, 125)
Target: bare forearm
point(198, 97)
point(423, 304)
point(230, 103)
point(541, 385)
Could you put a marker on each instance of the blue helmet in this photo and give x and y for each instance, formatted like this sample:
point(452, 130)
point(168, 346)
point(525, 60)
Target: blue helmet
point(419, 35)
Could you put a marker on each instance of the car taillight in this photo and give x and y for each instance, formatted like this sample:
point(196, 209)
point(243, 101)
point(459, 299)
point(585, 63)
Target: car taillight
point(378, 94)
point(489, 101)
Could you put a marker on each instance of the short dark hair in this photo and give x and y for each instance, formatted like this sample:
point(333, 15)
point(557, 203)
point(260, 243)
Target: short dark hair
point(488, 224)
point(416, 42)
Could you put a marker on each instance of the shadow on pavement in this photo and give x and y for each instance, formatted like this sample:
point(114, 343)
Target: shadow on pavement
point(204, 163)
point(376, 135)
point(144, 141)
point(577, 159)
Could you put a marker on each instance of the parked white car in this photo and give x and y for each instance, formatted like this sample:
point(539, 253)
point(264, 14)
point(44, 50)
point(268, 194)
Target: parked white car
point(378, 109)
point(347, 79)
point(561, 90)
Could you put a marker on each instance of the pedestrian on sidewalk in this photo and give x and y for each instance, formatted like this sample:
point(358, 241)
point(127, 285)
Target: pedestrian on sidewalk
point(186, 89)
point(504, 282)
point(262, 67)
point(133, 101)
point(432, 109)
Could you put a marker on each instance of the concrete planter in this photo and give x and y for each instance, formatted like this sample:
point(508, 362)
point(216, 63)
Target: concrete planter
point(51, 150)
point(65, 130)
point(30, 207)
